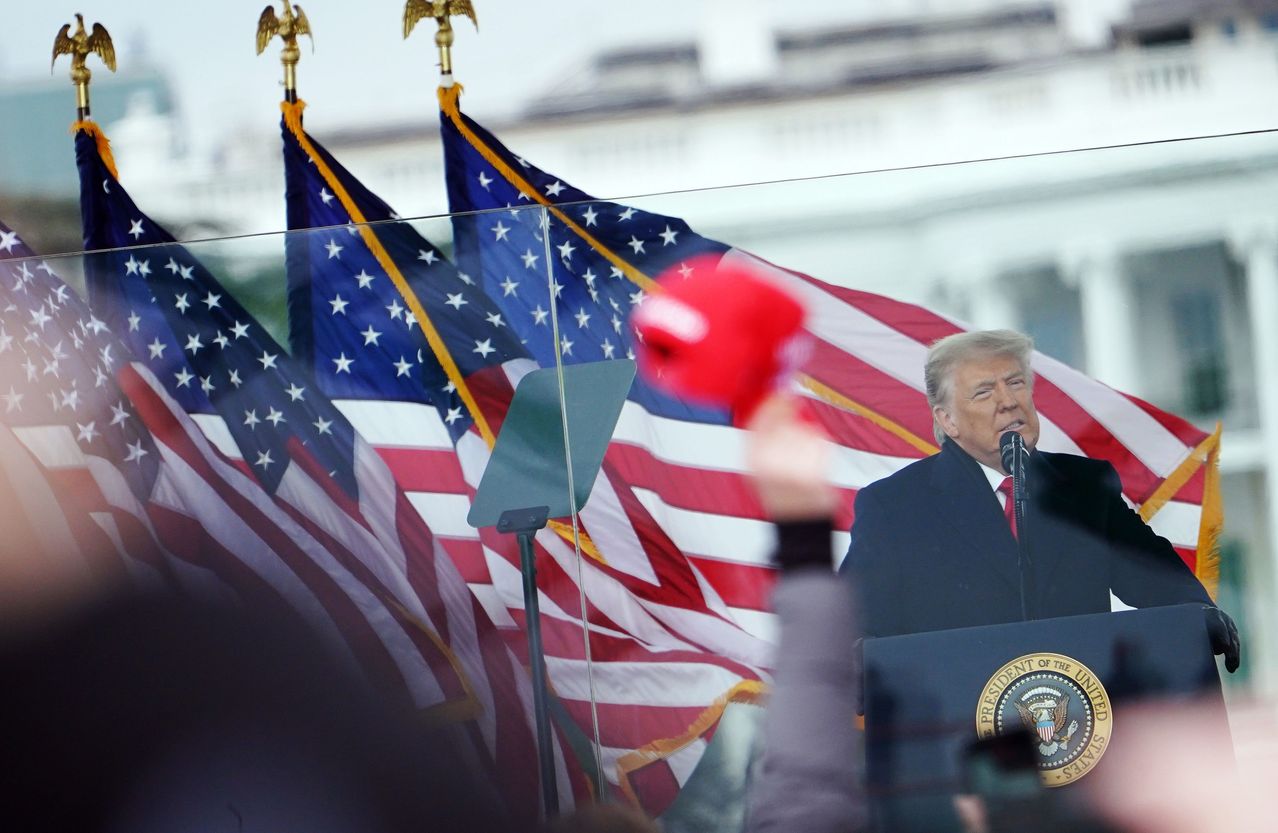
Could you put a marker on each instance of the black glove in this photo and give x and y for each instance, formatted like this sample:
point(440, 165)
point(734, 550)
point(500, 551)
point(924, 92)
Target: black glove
point(804, 544)
point(1224, 636)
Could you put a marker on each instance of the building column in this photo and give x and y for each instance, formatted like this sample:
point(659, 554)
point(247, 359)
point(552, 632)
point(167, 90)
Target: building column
point(1257, 248)
point(1108, 304)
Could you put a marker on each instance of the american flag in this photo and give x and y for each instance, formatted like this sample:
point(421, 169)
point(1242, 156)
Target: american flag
point(435, 362)
point(342, 527)
point(95, 461)
point(530, 239)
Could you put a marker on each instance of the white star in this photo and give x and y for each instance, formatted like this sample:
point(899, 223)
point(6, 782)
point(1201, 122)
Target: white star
point(343, 364)
point(590, 277)
point(221, 340)
point(402, 367)
point(530, 259)
point(250, 418)
point(71, 398)
point(365, 279)
point(636, 298)
point(615, 272)
point(99, 377)
point(118, 414)
point(295, 393)
point(616, 324)
point(183, 378)
point(275, 417)
point(136, 452)
point(495, 319)
point(591, 216)
point(206, 384)
point(8, 239)
point(455, 301)
point(466, 279)
point(268, 359)
point(134, 321)
point(239, 330)
point(557, 287)
point(554, 188)
point(193, 343)
point(5, 340)
point(105, 355)
point(106, 186)
point(685, 270)
point(39, 317)
point(451, 387)
point(13, 400)
point(234, 378)
point(144, 268)
point(410, 320)
point(135, 229)
point(172, 266)
point(131, 266)
point(539, 315)
point(326, 196)
point(627, 214)
point(499, 231)
point(338, 304)
point(607, 348)
point(156, 348)
point(483, 348)
point(508, 287)
point(484, 180)
point(188, 273)
point(566, 250)
point(370, 336)
point(324, 426)
point(395, 309)
point(636, 244)
point(565, 346)
point(427, 255)
point(264, 459)
point(212, 301)
point(454, 414)
point(181, 303)
point(582, 317)
point(333, 249)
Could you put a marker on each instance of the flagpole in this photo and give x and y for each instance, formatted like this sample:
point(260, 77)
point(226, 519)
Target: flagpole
point(79, 45)
point(288, 26)
point(440, 10)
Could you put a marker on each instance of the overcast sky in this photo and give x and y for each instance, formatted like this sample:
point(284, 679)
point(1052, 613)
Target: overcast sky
point(361, 69)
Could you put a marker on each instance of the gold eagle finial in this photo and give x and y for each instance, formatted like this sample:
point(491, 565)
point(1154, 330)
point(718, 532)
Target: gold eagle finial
point(288, 26)
point(441, 10)
point(79, 45)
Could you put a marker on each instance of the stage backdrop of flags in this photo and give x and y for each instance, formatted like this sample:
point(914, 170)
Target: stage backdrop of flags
point(175, 435)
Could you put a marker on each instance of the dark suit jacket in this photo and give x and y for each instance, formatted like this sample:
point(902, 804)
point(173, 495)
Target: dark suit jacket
point(931, 548)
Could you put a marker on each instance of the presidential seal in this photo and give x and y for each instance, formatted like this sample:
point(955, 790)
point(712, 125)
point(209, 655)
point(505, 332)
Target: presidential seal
point(1061, 702)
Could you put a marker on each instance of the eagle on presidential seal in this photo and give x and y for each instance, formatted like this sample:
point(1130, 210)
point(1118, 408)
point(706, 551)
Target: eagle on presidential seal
point(1045, 711)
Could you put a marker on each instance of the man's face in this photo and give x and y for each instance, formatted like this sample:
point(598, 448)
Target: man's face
point(989, 396)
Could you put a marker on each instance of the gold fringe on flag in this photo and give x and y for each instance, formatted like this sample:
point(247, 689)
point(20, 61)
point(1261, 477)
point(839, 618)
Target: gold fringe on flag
point(91, 128)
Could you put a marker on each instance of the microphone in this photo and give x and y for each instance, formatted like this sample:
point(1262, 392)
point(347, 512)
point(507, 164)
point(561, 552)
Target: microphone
point(1010, 447)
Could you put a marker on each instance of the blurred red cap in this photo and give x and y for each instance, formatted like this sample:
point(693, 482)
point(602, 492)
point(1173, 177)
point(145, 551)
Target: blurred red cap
point(722, 334)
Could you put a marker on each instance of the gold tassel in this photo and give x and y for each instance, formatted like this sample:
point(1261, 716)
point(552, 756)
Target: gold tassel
point(91, 128)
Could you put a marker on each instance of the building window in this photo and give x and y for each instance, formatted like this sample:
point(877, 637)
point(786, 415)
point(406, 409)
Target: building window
point(1196, 321)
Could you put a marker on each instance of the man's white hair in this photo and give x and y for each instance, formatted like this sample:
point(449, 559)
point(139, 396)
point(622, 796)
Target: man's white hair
point(945, 355)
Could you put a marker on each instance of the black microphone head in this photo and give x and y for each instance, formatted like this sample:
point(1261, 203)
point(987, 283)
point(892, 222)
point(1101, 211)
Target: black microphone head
point(1008, 443)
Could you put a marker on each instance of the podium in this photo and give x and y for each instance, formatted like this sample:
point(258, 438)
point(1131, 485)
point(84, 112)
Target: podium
point(1067, 680)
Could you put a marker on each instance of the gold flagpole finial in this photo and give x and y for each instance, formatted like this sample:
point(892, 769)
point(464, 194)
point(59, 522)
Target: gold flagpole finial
point(288, 26)
point(441, 10)
point(79, 45)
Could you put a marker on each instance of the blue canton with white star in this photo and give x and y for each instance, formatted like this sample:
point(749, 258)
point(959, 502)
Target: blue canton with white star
point(204, 347)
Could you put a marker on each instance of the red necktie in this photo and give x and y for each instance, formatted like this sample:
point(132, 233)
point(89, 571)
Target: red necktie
point(1009, 507)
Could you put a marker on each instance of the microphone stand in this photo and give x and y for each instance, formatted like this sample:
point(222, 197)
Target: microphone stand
point(1014, 454)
